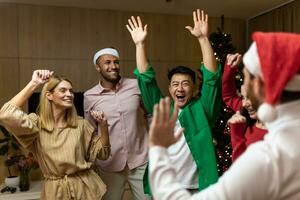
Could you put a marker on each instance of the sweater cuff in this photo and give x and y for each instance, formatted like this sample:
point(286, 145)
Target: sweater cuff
point(157, 150)
point(230, 69)
point(157, 154)
point(238, 129)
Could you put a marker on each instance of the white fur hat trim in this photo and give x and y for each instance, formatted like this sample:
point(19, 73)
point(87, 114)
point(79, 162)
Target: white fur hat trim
point(267, 113)
point(251, 61)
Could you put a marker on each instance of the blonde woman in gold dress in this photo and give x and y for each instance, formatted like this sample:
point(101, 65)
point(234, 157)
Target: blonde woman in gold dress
point(64, 144)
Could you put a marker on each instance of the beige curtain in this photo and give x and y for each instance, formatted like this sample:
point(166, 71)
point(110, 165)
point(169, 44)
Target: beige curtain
point(285, 19)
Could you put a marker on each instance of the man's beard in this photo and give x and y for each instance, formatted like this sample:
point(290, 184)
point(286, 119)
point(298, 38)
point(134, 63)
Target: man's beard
point(112, 80)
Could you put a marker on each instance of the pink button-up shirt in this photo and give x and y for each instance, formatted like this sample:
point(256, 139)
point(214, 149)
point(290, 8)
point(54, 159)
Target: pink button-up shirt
point(127, 123)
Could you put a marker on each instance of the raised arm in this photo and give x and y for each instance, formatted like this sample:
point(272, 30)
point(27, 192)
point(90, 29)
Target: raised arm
point(139, 33)
point(229, 90)
point(23, 126)
point(102, 153)
point(200, 31)
point(39, 77)
point(165, 185)
point(238, 127)
point(145, 74)
point(161, 136)
point(103, 126)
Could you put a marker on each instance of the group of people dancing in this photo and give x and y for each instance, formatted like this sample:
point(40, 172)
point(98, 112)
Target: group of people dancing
point(95, 156)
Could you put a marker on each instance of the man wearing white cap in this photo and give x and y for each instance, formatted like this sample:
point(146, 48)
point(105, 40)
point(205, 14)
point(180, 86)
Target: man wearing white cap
point(269, 169)
point(119, 98)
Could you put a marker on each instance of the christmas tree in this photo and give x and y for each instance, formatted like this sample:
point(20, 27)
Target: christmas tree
point(221, 44)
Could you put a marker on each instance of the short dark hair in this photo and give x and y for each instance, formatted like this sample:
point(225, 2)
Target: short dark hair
point(182, 70)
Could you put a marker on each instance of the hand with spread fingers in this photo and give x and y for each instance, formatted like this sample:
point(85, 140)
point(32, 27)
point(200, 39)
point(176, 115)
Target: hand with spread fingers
point(137, 30)
point(200, 28)
point(162, 126)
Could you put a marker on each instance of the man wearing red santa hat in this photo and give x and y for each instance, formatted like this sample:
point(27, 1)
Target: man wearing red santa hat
point(269, 169)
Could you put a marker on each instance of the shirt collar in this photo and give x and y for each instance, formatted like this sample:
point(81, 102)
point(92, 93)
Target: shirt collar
point(101, 89)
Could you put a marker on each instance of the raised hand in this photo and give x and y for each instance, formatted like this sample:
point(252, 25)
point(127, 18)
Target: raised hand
point(38, 78)
point(137, 30)
point(200, 28)
point(237, 118)
point(41, 76)
point(234, 59)
point(99, 117)
point(162, 126)
point(103, 126)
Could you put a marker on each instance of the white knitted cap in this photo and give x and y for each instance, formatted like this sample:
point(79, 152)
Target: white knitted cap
point(101, 52)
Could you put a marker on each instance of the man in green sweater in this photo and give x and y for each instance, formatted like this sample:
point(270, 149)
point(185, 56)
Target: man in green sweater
point(193, 155)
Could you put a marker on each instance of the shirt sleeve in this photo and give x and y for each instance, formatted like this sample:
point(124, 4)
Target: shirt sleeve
point(162, 176)
point(238, 139)
point(150, 92)
point(229, 90)
point(211, 92)
point(239, 182)
point(23, 126)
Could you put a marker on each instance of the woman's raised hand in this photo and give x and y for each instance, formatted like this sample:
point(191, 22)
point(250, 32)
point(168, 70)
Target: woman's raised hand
point(41, 76)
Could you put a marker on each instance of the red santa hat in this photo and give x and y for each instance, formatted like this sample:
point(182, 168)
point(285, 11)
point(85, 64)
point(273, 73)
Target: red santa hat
point(275, 57)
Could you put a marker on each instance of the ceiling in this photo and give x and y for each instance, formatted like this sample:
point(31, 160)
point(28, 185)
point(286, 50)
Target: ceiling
point(230, 8)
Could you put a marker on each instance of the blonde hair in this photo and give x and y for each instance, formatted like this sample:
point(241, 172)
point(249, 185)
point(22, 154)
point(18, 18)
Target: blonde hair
point(44, 108)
